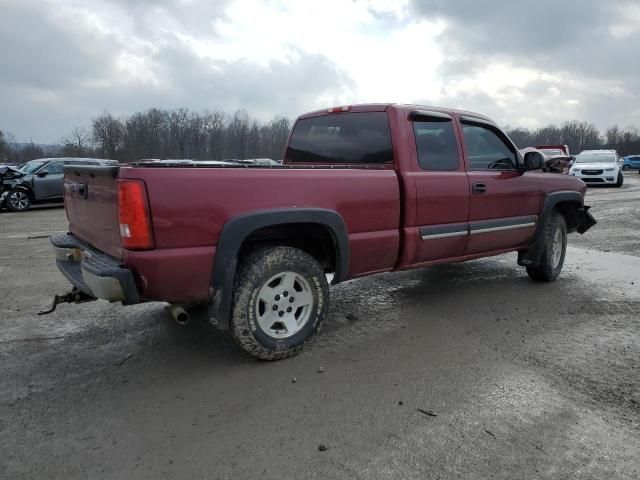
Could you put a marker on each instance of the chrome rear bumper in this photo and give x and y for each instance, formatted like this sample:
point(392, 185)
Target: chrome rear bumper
point(93, 272)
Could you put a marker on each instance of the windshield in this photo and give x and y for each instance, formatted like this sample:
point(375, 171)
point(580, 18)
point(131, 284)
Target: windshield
point(596, 157)
point(552, 151)
point(31, 167)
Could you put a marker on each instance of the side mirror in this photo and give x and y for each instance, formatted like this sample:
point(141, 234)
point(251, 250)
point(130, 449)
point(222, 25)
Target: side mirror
point(42, 173)
point(533, 161)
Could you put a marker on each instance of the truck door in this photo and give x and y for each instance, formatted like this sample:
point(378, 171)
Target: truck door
point(49, 180)
point(442, 188)
point(504, 201)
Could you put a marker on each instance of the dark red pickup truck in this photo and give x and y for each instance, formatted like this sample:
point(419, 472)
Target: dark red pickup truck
point(363, 189)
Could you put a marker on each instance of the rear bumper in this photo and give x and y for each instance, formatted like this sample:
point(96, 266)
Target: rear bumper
point(93, 272)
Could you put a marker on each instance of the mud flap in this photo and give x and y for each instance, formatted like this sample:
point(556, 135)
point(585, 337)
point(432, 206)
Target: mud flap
point(584, 219)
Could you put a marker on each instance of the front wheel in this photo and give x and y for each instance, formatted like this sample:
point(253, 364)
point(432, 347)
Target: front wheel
point(625, 167)
point(620, 179)
point(554, 249)
point(280, 302)
point(18, 200)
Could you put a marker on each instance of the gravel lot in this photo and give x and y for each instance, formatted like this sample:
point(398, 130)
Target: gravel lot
point(460, 371)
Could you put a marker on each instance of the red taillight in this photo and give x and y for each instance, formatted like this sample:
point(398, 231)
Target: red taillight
point(339, 109)
point(133, 215)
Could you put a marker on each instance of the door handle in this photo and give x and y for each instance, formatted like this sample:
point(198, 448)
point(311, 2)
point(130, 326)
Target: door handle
point(478, 188)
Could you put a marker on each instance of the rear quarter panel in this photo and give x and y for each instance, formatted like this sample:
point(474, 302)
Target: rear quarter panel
point(190, 207)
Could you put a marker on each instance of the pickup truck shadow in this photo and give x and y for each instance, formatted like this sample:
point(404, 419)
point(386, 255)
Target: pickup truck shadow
point(100, 339)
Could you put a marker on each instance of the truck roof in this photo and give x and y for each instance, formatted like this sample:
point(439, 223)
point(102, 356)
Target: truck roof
point(382, 107)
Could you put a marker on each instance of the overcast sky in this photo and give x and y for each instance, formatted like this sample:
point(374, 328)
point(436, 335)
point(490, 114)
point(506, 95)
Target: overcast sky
point(526, 63)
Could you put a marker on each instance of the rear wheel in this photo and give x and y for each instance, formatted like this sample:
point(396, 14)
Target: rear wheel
point(554, 249)
point(625, 167)
point(620, 179)
point(280, 302)
point(18, 200)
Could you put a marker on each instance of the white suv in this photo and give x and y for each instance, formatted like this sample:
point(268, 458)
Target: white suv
point(598, 167)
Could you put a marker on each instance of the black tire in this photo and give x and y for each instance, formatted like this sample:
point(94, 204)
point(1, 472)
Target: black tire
point(18, 200)
point(269, 270)
point(550, 264)
point(625, 167)
point(620, 180)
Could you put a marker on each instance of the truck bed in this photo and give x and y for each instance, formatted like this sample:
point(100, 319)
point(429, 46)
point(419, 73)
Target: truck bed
point(190, 205)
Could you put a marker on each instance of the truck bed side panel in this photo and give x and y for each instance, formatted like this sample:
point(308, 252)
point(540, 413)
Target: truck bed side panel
point(191, 205)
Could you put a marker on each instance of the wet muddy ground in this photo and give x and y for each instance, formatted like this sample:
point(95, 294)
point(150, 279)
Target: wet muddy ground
point(460, 371)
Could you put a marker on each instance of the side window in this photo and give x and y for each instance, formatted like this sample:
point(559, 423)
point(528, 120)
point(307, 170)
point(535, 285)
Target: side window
point(486, 150)
point(436, 145)
point(55, 168)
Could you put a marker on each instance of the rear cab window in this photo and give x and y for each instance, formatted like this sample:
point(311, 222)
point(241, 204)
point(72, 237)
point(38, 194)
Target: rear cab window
point(343, 138)
point(436, 143)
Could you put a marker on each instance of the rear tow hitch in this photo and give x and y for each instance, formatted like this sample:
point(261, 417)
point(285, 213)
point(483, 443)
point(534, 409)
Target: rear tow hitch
point(74, 296)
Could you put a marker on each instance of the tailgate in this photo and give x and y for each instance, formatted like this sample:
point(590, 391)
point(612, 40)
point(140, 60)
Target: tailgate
point(90, 197)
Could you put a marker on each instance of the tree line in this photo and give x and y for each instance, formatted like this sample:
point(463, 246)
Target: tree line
point(159, 133)
point(213, 135)
point(578, 136)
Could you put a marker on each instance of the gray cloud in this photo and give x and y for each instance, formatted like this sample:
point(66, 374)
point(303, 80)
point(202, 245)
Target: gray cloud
point(582, 43)
point(65, 62)
point(61, 73)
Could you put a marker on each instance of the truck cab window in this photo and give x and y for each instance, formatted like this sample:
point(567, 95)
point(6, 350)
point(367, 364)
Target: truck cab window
point(486, 150)
point(362, 137)
point(436, 145)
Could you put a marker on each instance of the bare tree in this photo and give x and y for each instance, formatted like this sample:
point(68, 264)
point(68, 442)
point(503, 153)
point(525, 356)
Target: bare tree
point(3, 147)
point(179, 129)
point(31, 151)
point(77, 143)
point(613, 136)
point(215, 130)
point(237, 135)
point(275, 136)
point(254, 141)
point(108, 132)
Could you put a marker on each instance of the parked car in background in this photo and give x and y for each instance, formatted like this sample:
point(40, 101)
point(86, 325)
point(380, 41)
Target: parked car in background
point(555, 160)
point(39, 180)
point(631, 162)
point(598, 167)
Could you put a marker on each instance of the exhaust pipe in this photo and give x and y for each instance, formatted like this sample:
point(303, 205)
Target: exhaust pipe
point(179, 314)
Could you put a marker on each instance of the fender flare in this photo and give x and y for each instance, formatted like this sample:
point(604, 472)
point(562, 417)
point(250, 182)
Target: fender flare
point(531, 256)
point(238, 229)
